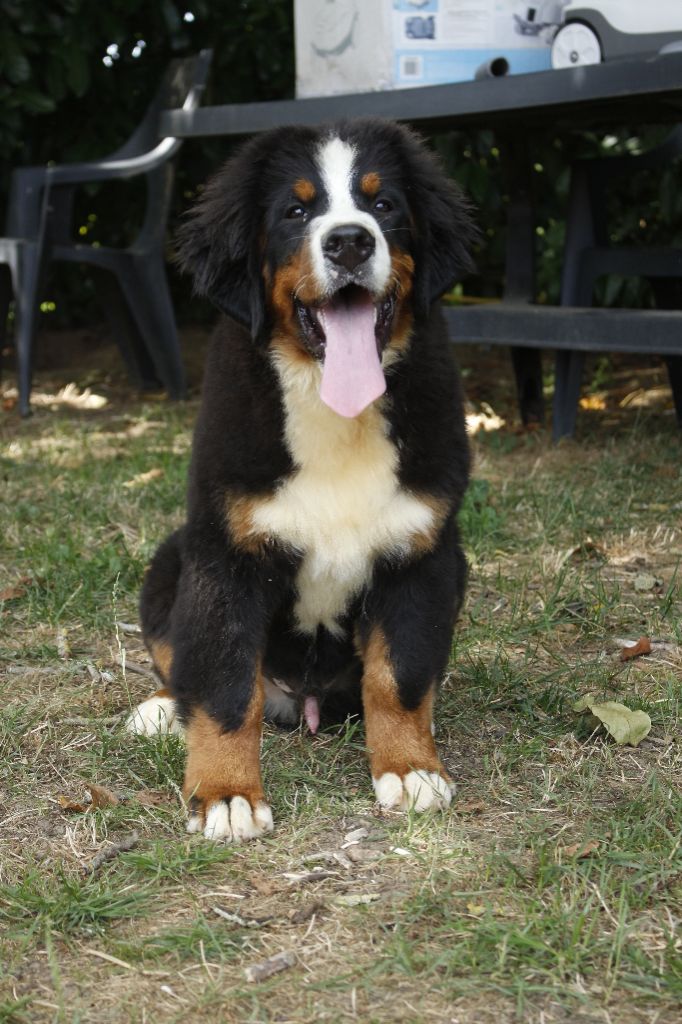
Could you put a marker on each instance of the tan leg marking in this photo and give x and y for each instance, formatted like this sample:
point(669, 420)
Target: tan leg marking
point(239, 512)
point(162, 656)
point(406, 770)
point(222, 778)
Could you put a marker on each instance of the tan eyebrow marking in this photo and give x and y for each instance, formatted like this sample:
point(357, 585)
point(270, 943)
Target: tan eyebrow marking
point(304, 190)
point(370, 183)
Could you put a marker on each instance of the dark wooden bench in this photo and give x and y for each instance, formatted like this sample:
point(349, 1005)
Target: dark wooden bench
point(518, 109)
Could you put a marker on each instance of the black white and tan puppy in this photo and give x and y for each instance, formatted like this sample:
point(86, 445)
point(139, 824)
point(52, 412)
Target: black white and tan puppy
point(319, 571)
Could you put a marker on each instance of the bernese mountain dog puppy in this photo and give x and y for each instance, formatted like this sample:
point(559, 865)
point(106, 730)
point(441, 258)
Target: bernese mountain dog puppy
point(319, 571)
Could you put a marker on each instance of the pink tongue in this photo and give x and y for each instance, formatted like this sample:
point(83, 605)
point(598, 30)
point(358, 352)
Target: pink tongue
point(352, 377)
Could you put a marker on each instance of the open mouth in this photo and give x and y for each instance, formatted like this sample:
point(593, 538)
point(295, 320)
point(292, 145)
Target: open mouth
point(348, 334)
point(351, 308)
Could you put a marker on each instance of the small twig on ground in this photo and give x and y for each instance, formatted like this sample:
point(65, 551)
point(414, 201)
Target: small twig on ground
point(111, 851)
point(138, 670)
point(273, 965)
point(244, 922)
point(38, 670)
point(129, 627)
point(79, 720)
point(63, 645)
point(302, 878)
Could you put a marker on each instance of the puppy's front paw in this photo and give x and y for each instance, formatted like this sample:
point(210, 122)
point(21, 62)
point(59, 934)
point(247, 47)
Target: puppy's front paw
point(229, 819)
point(418, 790)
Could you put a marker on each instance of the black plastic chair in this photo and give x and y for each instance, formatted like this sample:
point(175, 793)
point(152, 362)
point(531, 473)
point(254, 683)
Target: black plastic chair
point(40, 225)
point(588, 256)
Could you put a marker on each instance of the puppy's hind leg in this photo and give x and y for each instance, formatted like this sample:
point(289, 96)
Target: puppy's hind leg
point(157, 715)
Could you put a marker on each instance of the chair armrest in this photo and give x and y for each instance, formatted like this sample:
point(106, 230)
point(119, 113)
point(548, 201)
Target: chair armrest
point(28, 183)
point(110, 170)
point(29, 180)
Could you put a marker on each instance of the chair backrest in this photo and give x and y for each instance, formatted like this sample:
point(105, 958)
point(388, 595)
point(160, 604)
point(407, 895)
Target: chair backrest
point(182, 86)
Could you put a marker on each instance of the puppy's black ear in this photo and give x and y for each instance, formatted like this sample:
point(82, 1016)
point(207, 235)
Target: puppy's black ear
point(218, 243)
point(445, 229)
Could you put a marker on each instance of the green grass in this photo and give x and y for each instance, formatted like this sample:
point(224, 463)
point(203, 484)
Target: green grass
point(486, 914)
point(69, 904)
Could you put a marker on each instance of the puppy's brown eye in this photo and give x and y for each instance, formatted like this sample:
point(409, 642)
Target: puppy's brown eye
point(296, 212)
point(383, 205)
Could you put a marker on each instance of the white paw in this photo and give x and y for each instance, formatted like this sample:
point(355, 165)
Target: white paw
point(233, 820)
point(154, 717)
point(418, 790)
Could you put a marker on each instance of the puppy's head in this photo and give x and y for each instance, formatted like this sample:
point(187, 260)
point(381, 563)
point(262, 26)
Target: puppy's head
point(333, 240)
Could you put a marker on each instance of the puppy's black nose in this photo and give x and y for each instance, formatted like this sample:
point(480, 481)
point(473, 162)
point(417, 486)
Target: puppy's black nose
point(348, 245)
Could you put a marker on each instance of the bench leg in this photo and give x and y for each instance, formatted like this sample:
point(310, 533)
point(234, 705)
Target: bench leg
point(567, 380)
point(527, 363)
point(674, 364)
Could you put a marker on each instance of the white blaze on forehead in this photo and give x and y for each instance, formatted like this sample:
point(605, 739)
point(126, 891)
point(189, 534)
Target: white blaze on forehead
point(336, 161)
point(336, 164)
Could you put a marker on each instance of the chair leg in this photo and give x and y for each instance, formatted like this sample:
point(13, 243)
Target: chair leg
point(146, 290)
point(5, 300)
point(674, 364)
point(527, 363)
point(567, 380)
point(126, 334)
point(26, 277)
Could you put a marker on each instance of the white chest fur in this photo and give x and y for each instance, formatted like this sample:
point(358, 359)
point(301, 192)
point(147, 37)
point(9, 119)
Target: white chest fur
point(343, 506)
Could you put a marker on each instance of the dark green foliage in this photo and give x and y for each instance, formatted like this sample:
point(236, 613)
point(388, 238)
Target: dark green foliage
point(52, 64)
point(60, 102)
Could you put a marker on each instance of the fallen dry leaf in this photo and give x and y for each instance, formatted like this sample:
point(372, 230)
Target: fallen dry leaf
point(67, 804)
point(16, 589)
point(579, 850)
point(587, 549)
point(623, 724)
point(643, 646)
point(143, 478)
point(101, 797)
